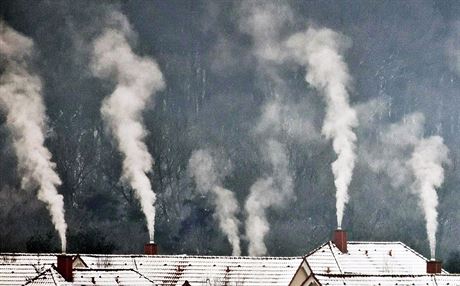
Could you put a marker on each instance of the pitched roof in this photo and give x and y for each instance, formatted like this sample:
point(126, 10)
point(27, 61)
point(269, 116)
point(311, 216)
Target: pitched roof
point(48, 277)
point(110, 277)
point(176, 269)
point(371, 258)
point(389, 280)
point(18, 274)
point(167, 269)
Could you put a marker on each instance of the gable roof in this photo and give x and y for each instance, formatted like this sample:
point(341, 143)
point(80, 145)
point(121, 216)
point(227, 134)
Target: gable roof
point(370, 258)
point(48, 277)
point(176, 269)
point(389, 280)
point(18, 274)
point(109, 277)
point(161, 269)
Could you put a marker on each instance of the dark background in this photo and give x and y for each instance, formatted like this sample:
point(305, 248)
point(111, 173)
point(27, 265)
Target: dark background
point(403, 55)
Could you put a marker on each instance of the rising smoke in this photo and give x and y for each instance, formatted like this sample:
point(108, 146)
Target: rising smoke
point(21, 100)
point(203, 169)
point(320, 51)
point(426, 162)
point(411, 162)
point(270, 191)
point(138, 80)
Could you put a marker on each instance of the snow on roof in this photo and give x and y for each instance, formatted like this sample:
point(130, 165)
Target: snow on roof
point(374, 258)
point(18, 274)
point(109, 277)
point(48, 277)
point(162, 269)
point(176, 269)
point(46, 259)
point(389, 280)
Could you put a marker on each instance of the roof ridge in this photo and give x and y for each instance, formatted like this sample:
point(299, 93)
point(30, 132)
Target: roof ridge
point(316, 249)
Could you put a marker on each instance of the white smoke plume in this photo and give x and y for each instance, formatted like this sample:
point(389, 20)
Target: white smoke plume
point(427, 159)
point(320, 51)
point(410, 161)
point(138, 80)
point(21, 100)
point(270, 191)
point(203, 169)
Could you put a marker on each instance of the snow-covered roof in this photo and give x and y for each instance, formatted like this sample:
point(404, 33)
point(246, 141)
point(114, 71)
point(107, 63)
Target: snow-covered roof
point(48, 277)
point(200, 270)
point(160, 269)
point(389, 280)
point(370, 258)
point(18, 274)
point(109, 277)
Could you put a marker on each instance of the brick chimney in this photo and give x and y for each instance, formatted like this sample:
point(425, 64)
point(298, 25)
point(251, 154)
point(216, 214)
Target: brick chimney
point(433, 267)
point(150, 248)
point(340, 240)
point(64, 266)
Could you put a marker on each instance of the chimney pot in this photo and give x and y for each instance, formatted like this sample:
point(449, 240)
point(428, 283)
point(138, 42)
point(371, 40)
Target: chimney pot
point(150, 249)
point(340, 240)
point(65, 267)
point(433, 267)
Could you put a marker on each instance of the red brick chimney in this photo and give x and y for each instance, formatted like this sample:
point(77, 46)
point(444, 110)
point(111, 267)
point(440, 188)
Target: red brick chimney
point(433, 267)
point(64, 266)
point(150, 248)
point(340, 240)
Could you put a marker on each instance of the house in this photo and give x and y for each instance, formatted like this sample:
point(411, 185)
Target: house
point(337, 262)
point(361, 263)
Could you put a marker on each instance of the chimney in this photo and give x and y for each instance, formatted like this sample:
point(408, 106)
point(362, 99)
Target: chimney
point(433, 267)
point(65, 267)
point(150, 248)
point(340, 240)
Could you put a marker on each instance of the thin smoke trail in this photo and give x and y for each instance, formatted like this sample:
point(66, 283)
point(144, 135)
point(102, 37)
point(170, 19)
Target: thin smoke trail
point(320, 51)
point(427, 159)
point(21, 100)
point(269, 191)
point(138, 80)
point(202, 168)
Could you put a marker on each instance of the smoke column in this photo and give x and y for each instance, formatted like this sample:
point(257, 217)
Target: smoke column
point(202, 168)
point(319, 50)
point(21, 100)
point(270, 191)
point(138, 79)
point(426, 162)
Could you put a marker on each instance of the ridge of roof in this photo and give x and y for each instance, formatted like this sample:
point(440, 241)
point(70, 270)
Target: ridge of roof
point(316, 249)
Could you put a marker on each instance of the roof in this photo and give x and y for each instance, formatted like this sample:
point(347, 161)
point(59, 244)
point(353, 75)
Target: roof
point(370, 258)
point(18, 274)
point(48, 277)
point(110, 277)
point(163, 269)
point(176, 269)
point(389, 280)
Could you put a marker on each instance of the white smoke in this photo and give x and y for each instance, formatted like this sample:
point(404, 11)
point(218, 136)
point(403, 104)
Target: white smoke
point(320, 51)
point(426, 162)
point(269, 191)
point(203, 169)
point(21, 100)
point(138, 80)
point(411, 162)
